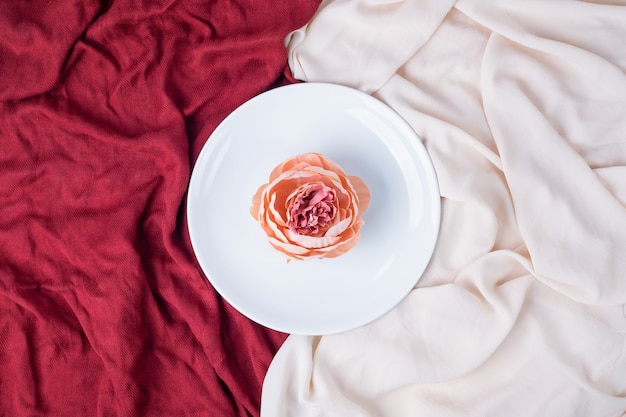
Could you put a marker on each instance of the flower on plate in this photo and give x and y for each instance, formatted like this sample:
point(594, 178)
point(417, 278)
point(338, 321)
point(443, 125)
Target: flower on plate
point(310, 208)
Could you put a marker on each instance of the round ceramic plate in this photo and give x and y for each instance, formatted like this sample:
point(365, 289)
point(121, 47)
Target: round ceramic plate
point(316, 296)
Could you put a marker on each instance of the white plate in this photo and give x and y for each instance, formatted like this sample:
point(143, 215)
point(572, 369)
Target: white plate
point(318, 296)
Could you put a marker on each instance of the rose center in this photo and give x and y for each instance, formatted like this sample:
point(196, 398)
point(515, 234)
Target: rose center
point(311, 208)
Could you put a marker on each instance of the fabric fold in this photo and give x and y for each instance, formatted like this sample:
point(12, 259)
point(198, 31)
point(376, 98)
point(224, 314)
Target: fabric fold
point(574, 229)
point(336, 38)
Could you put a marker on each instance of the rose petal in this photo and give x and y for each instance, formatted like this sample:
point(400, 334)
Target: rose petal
point(362, 192)
point(340, 227)
point(343, 248)
point(256, 201)
point(312, 242)
point(288, 248)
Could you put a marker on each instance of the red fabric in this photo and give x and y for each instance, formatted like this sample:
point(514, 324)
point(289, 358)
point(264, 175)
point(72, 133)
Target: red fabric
point(104, 108)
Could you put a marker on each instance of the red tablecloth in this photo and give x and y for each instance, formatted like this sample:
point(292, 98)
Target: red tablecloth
point(104, 107)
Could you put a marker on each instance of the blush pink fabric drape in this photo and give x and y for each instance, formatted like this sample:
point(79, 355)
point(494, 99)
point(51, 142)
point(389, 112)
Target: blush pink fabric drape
point(522, 107)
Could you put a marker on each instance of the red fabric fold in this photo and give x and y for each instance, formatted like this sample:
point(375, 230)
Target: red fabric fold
point(105, 107)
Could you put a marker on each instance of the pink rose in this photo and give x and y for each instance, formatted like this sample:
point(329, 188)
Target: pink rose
point(310, 208)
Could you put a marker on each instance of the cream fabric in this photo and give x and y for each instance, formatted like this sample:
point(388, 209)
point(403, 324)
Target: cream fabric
point(522, 107)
